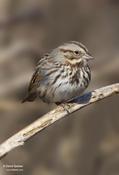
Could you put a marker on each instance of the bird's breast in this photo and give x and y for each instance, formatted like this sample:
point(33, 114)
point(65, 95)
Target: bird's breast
point(65, 83)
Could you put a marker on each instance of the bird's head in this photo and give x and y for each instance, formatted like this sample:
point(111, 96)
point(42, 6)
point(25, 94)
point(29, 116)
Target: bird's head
point(74, 52)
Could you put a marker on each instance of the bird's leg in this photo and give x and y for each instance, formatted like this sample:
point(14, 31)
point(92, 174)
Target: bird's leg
point(64, 105)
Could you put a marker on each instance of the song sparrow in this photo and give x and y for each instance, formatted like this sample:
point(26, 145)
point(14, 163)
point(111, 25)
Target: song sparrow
point(61, 75)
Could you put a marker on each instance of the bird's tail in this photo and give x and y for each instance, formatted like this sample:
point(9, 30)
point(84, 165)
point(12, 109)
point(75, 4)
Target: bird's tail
point(30, 97)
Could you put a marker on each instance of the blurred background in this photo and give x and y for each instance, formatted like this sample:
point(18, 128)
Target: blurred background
point(86, 142)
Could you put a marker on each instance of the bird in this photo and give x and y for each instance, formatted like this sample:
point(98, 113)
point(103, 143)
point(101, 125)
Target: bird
point(61, 75)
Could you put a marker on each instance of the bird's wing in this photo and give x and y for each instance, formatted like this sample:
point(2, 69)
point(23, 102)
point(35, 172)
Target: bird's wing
point(32, 92)
point(38, 74)
point(34, 81)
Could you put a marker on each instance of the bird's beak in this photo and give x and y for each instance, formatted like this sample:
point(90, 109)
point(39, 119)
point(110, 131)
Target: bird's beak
point(89, 57)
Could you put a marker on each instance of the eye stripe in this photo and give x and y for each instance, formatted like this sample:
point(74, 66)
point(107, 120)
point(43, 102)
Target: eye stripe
point(66, 50)
point(80, 45)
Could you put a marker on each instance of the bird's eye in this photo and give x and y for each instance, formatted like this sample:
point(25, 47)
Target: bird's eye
point(77, 52)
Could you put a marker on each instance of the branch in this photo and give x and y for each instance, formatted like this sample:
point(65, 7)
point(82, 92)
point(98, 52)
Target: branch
point(59, 112)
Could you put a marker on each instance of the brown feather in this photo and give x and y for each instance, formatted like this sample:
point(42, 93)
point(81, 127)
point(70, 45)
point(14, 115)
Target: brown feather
point(34, 81)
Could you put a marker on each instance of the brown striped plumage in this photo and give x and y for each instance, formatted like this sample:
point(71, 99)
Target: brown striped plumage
point(61, 75)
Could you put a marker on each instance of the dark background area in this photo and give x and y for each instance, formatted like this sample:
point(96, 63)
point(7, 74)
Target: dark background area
point(86, 142)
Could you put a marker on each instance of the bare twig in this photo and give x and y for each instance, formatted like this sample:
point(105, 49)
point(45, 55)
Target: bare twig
point(59, 112)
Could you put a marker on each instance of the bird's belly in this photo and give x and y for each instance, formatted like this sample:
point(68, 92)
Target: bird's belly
point(67, 92)
point(63, 91)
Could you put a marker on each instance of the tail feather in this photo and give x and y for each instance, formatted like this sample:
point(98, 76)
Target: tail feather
point(29, 97)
